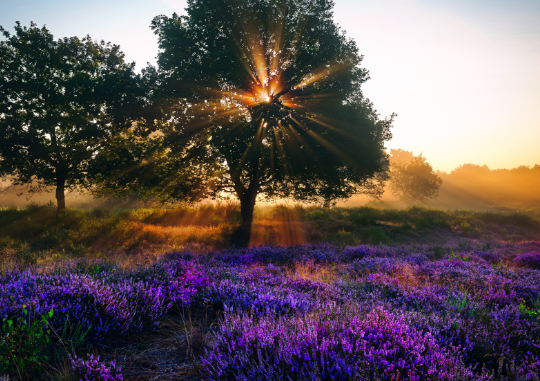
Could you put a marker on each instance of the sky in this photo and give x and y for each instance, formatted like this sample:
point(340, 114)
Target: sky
point(463, 76)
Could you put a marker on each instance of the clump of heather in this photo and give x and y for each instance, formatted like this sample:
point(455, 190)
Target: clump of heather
point(487, 256)
point(530, 260)
point(94, 370)
point(112, 302)
point(335, 344)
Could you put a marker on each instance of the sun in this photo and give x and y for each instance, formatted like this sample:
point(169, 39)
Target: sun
point(262, 94)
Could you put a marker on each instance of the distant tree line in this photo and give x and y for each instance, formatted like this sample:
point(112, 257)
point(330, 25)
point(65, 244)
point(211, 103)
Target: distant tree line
point(412, 179)
point(473, 185)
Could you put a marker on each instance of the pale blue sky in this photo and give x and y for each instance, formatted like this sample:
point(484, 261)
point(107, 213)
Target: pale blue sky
point(463, 76)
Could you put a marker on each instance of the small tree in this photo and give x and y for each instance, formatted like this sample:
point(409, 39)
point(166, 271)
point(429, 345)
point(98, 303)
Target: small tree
point(61, 102)
point(262, 99)
point(412, 178)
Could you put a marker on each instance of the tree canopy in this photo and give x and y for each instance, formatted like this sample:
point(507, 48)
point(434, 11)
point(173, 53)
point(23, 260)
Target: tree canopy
point(61, 103)
point(263, 98)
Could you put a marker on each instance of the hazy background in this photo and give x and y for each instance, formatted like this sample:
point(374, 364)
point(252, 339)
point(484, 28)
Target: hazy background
point(463, 76)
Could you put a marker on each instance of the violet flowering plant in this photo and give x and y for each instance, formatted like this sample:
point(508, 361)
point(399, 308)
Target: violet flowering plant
point(113, 303)
point(530, 260)
point(335, 344)
point(94, 370)
point(313, 312)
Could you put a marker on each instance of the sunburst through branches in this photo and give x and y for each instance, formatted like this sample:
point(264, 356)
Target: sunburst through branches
point(262, 97)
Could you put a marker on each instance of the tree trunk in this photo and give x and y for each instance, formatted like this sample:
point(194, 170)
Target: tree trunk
point(60, 194)
point(247, 199)
point(241, 236)
point(247, 206)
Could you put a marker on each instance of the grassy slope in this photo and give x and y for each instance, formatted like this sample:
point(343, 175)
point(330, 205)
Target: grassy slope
point(37, 232)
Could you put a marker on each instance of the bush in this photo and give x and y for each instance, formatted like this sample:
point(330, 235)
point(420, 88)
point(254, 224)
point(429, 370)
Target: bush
point(322, 346)
point(530, 260)
point(374, 235)
point(22, 343)
point(319, 214)
point(93, 369)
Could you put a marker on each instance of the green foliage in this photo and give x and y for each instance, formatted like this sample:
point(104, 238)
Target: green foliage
point(319, 215)
point(35, 234)
point(259, 104)
point(365, 217)
point(460, 256)
point(486, 246)
point(404, 228)
point(62, 102)
point(459, 303)
point(466, 227)
point(438, 252)
point(429, 221)
point(531, 312)
point(142, 346)
point(23, 340)
point(374, 235)
point(519, 219)
point(15, 253)
point(344, 237)
point(69, 340)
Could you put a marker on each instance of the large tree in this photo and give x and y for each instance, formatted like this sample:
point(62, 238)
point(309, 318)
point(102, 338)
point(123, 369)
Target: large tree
point(61, 102)
point(262, 98)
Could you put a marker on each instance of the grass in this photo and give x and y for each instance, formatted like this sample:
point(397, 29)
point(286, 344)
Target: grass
point(31, 234)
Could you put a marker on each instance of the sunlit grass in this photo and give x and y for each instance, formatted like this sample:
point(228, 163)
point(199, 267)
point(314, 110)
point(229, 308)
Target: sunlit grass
point(32, 234)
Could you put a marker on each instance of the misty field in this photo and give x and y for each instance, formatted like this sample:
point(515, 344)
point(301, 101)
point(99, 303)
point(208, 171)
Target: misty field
point(318, 294)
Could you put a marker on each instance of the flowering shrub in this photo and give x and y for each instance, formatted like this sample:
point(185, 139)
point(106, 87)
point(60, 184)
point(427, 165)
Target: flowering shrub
point(530, 260)
point(311, 312)
point(94, 370)
point(112, 303)
point(338, 344)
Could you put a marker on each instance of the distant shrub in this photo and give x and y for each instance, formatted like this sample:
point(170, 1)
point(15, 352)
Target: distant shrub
point(319, 214)
point(15, 254)
point(518, 219)
point(99, 213)
point(362, 219)
point(345, 237)
point(430, 221)
point(405, 227)
point(438, 252)
point(374, 235)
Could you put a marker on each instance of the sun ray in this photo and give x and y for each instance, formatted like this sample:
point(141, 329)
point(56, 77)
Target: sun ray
point(329, 146)
point(321, 73)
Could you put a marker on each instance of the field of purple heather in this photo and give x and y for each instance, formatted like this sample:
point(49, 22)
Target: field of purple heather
point(309, 312)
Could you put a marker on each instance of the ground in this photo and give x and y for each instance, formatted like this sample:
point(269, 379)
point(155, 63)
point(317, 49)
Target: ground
point(481, 262)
